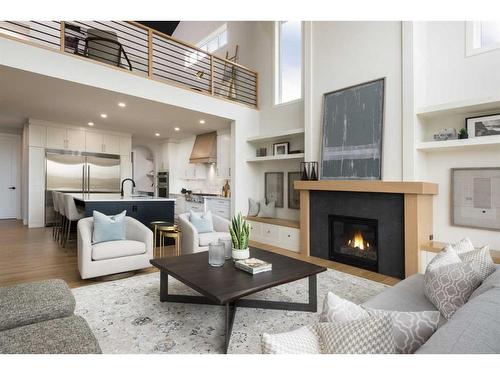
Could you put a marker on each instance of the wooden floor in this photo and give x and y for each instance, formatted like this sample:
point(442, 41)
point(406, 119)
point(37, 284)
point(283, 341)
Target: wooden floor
point(31, 254)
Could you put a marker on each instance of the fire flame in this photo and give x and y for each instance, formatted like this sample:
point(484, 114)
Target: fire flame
point(359, 242)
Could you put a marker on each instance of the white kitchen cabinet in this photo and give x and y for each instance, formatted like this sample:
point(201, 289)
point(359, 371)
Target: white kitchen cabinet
point(93, 142)
point(111, 144)
point(218, 206)
point(56, 138)
point(75, 139)
point(195, 172)
point(125, 145)
point(36, 187)
point(37, 135)
point(281, 236)
point(195, 207)
point(223, 155)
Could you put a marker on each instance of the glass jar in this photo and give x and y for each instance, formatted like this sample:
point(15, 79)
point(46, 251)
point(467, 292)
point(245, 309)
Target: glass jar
point(228, 246)
point(216, 254)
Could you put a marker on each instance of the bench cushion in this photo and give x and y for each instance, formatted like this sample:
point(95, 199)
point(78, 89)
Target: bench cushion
point(70, 335)
point(34, 302)
point(117, 249)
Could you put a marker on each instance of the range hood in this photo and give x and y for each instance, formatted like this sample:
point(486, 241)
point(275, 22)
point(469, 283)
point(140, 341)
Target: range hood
point(204, 149)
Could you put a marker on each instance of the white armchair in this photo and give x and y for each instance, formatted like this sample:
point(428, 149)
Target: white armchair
point(106, 258)
point(194, 242)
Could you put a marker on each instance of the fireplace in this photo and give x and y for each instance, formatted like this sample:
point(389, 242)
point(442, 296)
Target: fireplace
point(354, 241)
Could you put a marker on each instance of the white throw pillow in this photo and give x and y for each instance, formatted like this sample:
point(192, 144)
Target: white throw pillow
point(304, 340)
point(463, 246)
point(445, 257)
point(267, 210)
point(373, 335)
point(411, 329)
point(253, 207)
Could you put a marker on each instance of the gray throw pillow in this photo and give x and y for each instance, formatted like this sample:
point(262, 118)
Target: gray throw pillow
point(267, 210)
point(253, 207)
point(450, 286)
point(304, 340)
point(481, 261)
point(373, 335)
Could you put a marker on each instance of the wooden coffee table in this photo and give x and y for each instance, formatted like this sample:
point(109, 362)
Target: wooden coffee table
point(227, 285)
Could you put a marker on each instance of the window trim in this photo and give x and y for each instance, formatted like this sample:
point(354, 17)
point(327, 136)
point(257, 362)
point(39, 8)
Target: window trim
point(472, 29)
point(276, 67)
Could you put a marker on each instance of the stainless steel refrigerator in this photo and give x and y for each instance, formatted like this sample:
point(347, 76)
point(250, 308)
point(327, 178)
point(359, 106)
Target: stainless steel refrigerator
point(79, 172)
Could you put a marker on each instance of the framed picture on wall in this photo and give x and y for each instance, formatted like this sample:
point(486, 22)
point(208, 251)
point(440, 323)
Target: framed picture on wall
point(281, 148)
point(475, 197)
point(483, 125)
point(274, 187)
point(293, 195)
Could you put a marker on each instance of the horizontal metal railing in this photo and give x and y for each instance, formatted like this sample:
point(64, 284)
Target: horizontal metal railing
point(131, 46)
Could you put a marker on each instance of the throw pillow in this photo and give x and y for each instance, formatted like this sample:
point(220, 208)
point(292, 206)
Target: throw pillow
point(253, 207)
point(364, 336)
point(445, 257)
point(481, 261)
point(338, 310)
point(411, 329)
point(202, 221)
point(267, 210)
point(450, 286)
point(108, 228)
point(304, 340)
point(463, 246)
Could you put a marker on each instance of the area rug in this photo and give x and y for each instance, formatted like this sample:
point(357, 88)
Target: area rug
point(127, 316)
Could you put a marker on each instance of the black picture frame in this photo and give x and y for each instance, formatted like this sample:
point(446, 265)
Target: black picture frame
point(293, 194)
point(274, 187)
point(343, 154)
point(473, 130)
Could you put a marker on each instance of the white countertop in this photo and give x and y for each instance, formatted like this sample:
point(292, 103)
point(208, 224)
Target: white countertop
point(216, 197)
point(110, 197)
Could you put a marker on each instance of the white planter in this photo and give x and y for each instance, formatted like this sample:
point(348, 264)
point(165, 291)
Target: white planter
point(241, 254)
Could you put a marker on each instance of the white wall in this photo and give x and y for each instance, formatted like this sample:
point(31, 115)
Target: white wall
point(444, 74)
point(349, 53)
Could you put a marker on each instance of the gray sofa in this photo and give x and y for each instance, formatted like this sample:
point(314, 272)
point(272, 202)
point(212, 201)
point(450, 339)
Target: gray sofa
point(474, 328)
point(37, 318)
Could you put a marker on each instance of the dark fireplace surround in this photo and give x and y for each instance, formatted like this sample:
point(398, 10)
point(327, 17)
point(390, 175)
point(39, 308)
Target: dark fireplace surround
point(362, 229)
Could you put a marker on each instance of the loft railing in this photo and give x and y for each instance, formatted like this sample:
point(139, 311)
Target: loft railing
point(138, 49)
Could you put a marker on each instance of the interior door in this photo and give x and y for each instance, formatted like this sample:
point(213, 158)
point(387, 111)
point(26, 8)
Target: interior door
point(9, 172)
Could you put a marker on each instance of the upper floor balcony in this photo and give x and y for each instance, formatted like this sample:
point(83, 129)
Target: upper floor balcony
point(136, 49)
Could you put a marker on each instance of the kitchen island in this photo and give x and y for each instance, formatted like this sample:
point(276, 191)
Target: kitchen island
point(143, 208)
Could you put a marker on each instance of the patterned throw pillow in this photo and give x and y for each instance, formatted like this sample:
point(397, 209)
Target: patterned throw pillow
point(304, 340)
point(411, 329)
point(364, 336)
point(450, 286)
point(481, 261)
point(463, 246)
point(253, 207)
point(445, 257)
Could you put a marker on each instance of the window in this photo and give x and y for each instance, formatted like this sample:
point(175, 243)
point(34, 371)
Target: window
point(288, 61)
point(210, 44)
point(482, 36)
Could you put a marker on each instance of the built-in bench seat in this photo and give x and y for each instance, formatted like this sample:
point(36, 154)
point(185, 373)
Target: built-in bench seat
point(282, 233)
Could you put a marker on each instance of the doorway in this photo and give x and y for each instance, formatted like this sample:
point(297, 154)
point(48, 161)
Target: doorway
point(10, 189)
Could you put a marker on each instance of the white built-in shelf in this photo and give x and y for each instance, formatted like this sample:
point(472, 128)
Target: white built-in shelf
point(464, 107)
point(277, 136)
point(460, 144)
point(276, 157)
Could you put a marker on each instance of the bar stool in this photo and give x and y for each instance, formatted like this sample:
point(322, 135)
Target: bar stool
point(170, 231)
point(62, 213)
point(72, 214)
point(55, 227)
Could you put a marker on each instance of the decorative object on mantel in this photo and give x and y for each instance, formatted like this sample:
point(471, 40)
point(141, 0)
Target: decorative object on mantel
point(309, 170)
point(262, 151)
point(240, 231)
point(473, 197)
point(462, 134)
point(274, 187)
point(304, 171)
point(445, 134)
point(352, 132)
point(296, 152)
point(482, 126)
point(293, 195)
point(281, 148)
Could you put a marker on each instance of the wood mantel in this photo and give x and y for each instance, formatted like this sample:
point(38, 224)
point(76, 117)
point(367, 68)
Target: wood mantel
point(417, 210)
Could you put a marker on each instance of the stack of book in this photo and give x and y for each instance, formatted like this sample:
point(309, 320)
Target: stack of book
point(253, 265)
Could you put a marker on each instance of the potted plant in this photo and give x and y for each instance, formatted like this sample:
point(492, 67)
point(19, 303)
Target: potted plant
point(462, 134)
point(240, 231)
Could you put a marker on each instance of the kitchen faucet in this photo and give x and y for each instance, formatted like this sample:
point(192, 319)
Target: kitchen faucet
point(127, 179)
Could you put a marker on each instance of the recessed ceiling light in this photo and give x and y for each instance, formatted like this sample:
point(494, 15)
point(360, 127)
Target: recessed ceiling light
point(202, 121)
point(157, 134)
point(103, 115)
point(90, 123)
point(177, 129)
point(121, 104)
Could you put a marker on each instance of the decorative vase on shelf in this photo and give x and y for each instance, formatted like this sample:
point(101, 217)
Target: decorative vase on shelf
point(314, 174)
point(240, 232)
point(304, 176)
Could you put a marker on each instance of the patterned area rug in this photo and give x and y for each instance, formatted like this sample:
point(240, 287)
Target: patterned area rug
point(128, 317)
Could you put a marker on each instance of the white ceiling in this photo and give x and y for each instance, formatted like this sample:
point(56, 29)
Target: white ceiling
point(27, 95)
